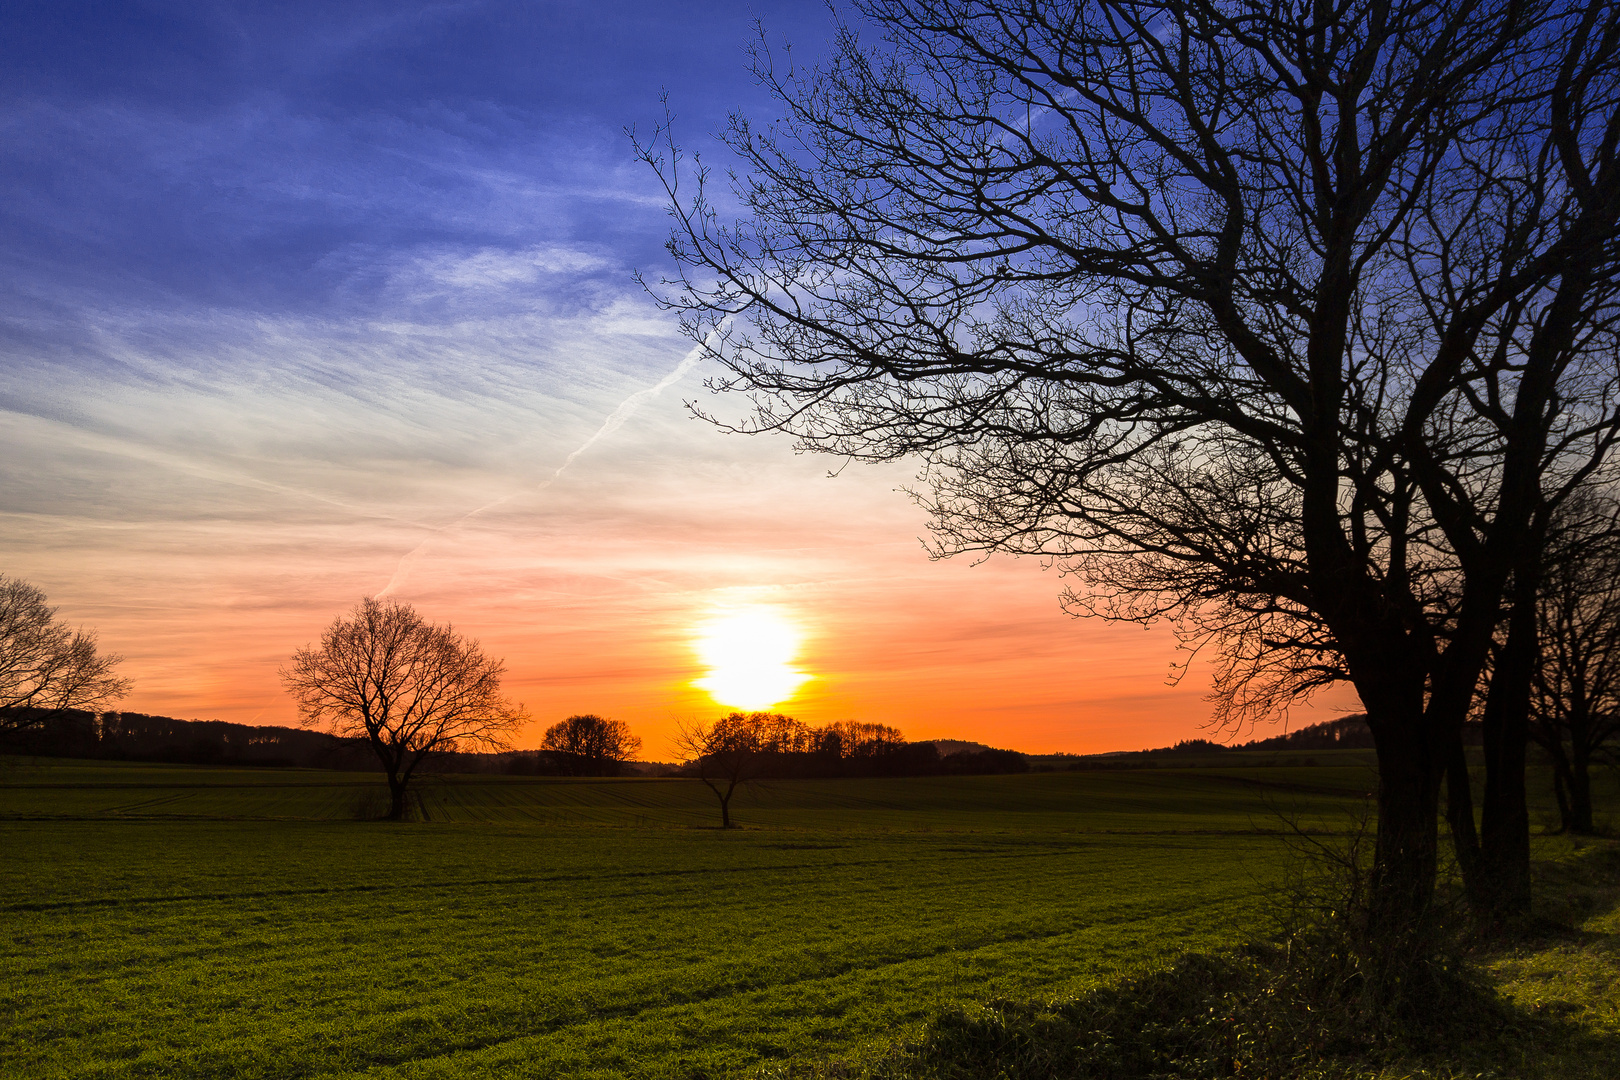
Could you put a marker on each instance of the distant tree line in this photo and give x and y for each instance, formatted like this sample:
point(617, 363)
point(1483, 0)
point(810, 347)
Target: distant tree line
point(1345, 733)
point(845, 749)
point(133, 736)
point(742, 747)
point(851, 748)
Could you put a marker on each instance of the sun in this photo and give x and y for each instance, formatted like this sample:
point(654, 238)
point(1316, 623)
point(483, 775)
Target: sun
point(749, 653)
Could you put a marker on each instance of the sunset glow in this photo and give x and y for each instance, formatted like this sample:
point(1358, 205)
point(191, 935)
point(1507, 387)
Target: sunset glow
point(749, 654)
point(304, 310)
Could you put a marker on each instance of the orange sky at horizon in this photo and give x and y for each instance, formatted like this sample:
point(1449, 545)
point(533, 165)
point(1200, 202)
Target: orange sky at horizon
point(595, 588)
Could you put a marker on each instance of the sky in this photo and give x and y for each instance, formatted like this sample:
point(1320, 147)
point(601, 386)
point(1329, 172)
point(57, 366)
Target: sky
point(305, 302)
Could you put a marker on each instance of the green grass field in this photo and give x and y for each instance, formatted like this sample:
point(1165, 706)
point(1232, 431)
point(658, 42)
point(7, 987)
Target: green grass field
point(164, 921)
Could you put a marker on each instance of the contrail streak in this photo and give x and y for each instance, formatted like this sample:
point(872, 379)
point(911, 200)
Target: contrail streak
point(615, 420)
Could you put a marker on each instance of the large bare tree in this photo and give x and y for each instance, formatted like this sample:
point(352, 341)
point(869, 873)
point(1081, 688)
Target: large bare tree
point(386, 676)
point(1290, 322)
point(45, 665)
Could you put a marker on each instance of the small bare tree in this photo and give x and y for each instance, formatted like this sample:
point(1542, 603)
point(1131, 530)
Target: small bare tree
point(738, 748)
point(588, 745)
point(389, 677)
point(45, 666)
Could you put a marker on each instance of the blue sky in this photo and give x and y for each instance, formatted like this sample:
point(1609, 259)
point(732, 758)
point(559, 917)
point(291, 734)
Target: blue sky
point(274, 156)
point(318, 233)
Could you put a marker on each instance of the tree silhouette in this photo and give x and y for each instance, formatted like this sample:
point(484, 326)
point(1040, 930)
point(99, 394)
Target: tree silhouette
point(738, 748)
point(1576, 706)
point(1288, 323)
point(406, 687)
point(45, 666)
point(588, 745)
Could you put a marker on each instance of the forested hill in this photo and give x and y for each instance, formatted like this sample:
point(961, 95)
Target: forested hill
point(1345, 733)
point(131, 736)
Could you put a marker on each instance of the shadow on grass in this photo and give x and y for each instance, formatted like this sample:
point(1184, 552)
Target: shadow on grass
point(1301, 1010)
point(1230, 1016)
point(1585, 886)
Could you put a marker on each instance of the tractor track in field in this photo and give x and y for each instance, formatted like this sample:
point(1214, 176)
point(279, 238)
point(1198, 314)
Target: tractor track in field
point(636, 1011)
point(541, 879)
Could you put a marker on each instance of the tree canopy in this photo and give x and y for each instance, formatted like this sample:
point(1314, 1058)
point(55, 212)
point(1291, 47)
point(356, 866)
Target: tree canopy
point(1289, 323)
point(588, 745)
point(406, 687)
point(737, 748)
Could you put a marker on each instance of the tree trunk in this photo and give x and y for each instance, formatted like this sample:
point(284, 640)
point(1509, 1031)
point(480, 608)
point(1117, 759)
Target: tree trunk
point(723, 796)
point(1580, 794)
point(396, 797)
point(1560, 794)
point(1410, 768)
point(1566, 813)
point(1505, 815)
point(1460, 816)
point(1552, 741)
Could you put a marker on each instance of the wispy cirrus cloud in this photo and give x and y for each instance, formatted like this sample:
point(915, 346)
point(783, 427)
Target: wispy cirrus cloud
point(291, 292)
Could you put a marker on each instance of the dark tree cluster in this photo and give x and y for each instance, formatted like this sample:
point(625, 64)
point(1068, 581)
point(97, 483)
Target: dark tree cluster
point(1345, 733)
point(1295, 324)
point(588, 745)
point(741, 747)
point(850, 748)
point(1575, 714)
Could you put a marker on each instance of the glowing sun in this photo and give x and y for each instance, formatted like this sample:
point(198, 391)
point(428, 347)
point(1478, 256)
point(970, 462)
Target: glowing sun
point(749, 653)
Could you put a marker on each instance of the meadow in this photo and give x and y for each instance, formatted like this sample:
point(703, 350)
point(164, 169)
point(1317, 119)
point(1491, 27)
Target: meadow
point(194, 922)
